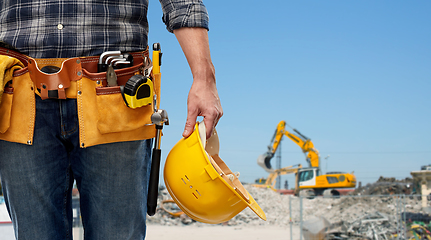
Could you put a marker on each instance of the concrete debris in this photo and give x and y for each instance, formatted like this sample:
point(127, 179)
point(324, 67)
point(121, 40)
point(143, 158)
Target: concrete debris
point(387, 186)
point(282, 210)
point(374, 226)
point(378, 226)
point(374, 211)
point(315, 228)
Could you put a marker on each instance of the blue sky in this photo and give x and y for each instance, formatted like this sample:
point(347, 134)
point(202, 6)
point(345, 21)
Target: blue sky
point(354, 76)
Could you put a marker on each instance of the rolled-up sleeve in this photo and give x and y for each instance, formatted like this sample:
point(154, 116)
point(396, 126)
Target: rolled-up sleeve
point(184, 13)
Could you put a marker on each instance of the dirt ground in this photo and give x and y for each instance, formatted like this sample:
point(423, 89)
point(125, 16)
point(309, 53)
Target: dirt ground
point(217, 232)
point(191, 232)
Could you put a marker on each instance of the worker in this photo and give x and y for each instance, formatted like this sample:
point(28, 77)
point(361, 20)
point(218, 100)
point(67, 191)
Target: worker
point(49, 140)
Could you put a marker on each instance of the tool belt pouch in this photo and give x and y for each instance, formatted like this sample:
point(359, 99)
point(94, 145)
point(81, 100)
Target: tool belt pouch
point(17, 108)
point(103, 114)
point(5, 109)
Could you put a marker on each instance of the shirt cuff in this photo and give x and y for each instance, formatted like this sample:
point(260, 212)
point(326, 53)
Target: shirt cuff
point(189, 15)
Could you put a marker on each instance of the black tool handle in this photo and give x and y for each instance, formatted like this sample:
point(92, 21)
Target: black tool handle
point(153, 187)
point(101, 67)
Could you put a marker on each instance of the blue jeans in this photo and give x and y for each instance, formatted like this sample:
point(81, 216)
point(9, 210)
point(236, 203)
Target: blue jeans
point(37, 180)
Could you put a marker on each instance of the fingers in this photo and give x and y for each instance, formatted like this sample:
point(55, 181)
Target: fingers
point(211, 122)
point(211, 118)
point(203, 101)
point(190, 123)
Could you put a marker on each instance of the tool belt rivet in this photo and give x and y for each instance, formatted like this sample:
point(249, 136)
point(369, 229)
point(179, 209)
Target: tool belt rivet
point(79, 92)
point(60, 86)
point(79, 73)
point(78, 61)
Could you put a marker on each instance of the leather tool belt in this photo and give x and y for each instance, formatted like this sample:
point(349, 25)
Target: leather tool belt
point(105, 117)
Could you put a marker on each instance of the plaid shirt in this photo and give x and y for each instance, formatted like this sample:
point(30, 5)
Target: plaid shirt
point(72, 28)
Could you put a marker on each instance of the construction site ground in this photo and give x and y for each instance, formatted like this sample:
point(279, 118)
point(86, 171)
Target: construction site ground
point(382, 208)
point(375, 211)
point(219, 232)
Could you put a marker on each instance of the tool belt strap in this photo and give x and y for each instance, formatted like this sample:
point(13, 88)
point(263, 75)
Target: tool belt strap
point(63, 83)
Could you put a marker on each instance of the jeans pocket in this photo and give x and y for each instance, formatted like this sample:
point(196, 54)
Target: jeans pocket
point(115, 116)
point(6, 109)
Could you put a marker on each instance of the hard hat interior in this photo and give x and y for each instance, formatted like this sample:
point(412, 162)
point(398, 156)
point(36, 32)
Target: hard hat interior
point(228, 176)
point(212, 148)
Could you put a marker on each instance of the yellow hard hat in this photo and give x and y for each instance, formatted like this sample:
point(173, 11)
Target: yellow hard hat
point(200, 182)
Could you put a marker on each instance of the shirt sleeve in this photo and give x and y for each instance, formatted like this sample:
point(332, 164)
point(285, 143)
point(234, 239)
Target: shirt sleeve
point(184, 13)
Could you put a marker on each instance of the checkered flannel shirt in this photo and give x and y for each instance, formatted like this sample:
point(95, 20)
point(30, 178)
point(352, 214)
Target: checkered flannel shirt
point(72, 28)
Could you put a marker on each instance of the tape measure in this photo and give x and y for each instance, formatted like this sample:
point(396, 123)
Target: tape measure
point(138, 91)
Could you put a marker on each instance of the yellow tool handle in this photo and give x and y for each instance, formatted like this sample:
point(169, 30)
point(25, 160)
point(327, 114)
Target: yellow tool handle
point(156, 58)
point(157, 62)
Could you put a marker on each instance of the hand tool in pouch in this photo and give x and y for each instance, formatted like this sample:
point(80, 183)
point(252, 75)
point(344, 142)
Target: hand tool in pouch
point(159, 118)
point(111, 76)
point(108, 61)
point(102, 66)
point(139, 89)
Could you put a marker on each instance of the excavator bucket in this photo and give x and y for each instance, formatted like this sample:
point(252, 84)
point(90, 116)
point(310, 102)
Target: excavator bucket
point(264, 162)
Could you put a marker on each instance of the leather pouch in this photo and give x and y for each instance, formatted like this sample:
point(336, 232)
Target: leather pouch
point(18, 110)
point(115, 116)
point(5, 109)
point(105, 118)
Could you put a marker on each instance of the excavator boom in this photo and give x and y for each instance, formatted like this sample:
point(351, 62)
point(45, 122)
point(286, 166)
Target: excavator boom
point(307, 147)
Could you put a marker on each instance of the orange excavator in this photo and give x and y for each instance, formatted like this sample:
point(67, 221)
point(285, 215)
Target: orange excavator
point(309, 181)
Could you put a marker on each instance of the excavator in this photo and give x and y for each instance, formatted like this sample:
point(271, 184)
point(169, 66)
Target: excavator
point(309, 181)
point(270, 181)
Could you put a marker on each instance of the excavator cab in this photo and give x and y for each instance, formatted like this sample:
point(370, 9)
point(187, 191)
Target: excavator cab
point(307, 176)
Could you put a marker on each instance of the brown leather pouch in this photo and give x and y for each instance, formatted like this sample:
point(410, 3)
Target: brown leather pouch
point(105, 118)
point(115, 116)
point(5, 109)
point(18, 110)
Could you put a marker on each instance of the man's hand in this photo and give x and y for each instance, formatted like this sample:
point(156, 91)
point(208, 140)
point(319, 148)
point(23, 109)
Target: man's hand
point(203, 99)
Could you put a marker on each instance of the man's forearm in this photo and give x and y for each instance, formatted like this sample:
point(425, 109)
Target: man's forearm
point(203, 99)
point(194, 42)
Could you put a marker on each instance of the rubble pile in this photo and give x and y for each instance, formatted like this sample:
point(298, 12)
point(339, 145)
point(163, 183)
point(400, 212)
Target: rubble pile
point(379, 226)
point(372, 226)
point(277, 209)
point(374, 211)
point(387, 186)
